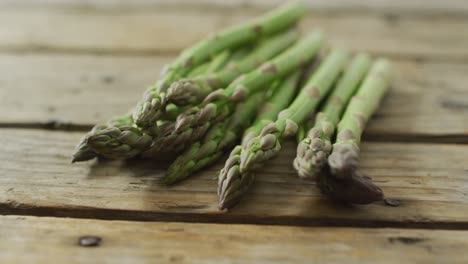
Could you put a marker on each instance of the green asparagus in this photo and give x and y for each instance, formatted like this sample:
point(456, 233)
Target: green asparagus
point(190, 91)
point(267, 144)
point(344, 158)
point(231, 183)
point(149, 109)
point(83, 152)
point(221, 136)
point(119, 142)
point(314, 149)
point(216, 64)
point(191, 125)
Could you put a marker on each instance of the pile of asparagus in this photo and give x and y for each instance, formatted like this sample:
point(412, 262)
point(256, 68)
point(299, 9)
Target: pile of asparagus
point(249, 84)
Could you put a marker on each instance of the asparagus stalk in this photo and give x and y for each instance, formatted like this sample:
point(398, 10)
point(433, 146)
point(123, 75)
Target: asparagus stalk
point(119, 142)
point(341, 181)
point(314, 149)
point(267, 144)
point(231, 183)
point(112, 140)
point(344, 158)
point(83, 151)
point(221, 136)
point(216, 64)
point(191, 125)
point(149, 109)
point(191, 91)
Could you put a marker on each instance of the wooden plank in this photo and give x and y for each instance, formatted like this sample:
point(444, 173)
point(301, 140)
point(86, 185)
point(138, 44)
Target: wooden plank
point(46, 240)
point(396, 6)
point(163, 31)
point(37, 178)
point(427, 100)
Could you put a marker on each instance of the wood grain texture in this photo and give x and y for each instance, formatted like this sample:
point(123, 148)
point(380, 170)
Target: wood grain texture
point(428, 99)
point(169, 31)
point(410, 7)
point(37, 178)
point(46, 240)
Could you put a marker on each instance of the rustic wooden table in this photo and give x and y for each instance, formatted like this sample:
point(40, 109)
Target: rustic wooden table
point(65, 65)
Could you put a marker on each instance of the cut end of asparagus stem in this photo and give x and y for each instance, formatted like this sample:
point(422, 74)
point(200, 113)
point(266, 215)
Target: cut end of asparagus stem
point(354, 189)
point(312, 153)
point(344, 160)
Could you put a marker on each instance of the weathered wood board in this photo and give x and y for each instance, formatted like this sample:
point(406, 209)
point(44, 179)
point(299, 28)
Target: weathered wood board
point(162, 32)
point(32, 239)
point(428, 99)
point(68, 64)
point(429, 179)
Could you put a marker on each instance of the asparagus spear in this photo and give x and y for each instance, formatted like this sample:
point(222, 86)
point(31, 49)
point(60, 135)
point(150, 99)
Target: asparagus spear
point(193, 123)
point(190, 91)
point(149, 109)
point(216, 64)
point(314, 149)
point(111, 147)
point(344, 158)
point(119, 142)
point(231, 183)
point(83, 152)
point(221, 136)
point(267, 144)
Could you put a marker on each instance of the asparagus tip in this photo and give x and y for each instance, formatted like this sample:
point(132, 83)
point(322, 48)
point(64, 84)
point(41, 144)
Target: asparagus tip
point(344, 160)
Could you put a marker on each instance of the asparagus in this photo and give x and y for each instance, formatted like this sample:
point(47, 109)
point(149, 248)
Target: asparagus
point(267, 144)
point(83, 151)
point(314, 149)
point(210, 148)
point(216, 64)
point(190, 91)
point(344, 158)
point(191, 125)
point(149, 109)
point(117, 145)
point(119, 142)
point(231, 183)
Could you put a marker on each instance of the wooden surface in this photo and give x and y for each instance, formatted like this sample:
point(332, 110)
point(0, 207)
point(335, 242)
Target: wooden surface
point(67, 64)
point(430, 180)
point(138, 242)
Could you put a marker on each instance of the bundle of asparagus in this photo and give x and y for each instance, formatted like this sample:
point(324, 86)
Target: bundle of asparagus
point(151, 126)
point(264, 143)
point(209, 95)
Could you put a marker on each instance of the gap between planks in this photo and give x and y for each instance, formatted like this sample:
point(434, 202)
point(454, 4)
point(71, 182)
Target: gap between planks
point(56, 125)
point(11, 209)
